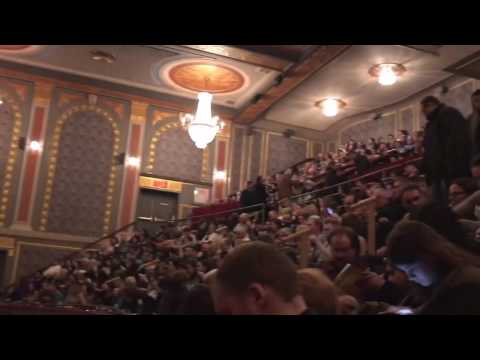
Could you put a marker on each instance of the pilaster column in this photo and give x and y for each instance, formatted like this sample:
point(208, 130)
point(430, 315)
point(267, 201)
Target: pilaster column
point(220, 173)
point(129, 194)
point(34, 146)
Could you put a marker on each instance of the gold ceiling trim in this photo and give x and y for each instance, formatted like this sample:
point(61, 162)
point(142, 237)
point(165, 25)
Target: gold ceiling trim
point(243, 55)
point(211, 77)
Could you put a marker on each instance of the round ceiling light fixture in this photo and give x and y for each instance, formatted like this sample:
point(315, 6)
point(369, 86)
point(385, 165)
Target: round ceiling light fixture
point(387, 74)
point(99, 55)
point(330, 106)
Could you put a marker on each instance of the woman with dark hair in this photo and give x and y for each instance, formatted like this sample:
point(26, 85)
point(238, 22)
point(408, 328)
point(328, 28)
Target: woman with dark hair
point(445, 222)
point(431, 261)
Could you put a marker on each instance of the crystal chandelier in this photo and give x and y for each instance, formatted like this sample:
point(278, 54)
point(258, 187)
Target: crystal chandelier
point(202, 127)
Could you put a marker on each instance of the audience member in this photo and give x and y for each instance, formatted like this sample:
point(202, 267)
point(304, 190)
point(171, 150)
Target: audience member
point(446, 144)
point(258, 279)
point(429, 260)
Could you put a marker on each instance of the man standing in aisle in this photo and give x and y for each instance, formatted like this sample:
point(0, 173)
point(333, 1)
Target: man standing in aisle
point(474, 122)
point(447, 146)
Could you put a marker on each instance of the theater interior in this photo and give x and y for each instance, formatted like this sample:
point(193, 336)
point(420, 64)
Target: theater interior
point(134, 177)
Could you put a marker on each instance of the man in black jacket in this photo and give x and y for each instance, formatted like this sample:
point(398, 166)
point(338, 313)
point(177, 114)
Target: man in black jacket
point(447, 146)
point(474, 123)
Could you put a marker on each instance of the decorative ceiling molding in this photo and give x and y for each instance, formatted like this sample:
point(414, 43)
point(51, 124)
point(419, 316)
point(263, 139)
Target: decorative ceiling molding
point(165, 104)
point(212, 76)
point(19, 49)
point(469, 66)
point(429, 49)
point(243, 55)
point(14, 48)
point(293, 78)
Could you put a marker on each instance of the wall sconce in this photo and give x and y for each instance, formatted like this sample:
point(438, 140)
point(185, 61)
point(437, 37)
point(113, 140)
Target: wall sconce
point(220, 176)
point(35, 146)
point(133, 161)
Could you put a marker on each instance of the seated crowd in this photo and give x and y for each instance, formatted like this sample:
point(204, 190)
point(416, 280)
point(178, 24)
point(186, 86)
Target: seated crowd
point(353, 160)
point(309, 255)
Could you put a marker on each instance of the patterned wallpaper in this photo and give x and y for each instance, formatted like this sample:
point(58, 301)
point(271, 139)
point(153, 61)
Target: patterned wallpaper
point(79, 181)
point(176, 156)
point(33, 258)
point(14, 117)
point(169, 152)
point(373, 128)
point(6, 131)
point(82, 175)
point(284, 152)
point(237, 146)
point(255, 155)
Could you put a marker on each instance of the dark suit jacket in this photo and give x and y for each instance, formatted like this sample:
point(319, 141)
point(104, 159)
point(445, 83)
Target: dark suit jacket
point(447, 145)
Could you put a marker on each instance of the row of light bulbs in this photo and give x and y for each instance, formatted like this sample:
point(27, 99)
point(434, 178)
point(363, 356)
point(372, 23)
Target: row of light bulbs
point(386, 75)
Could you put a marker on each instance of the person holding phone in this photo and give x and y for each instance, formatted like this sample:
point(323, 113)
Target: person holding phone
point(345, 249)
point(429, 260)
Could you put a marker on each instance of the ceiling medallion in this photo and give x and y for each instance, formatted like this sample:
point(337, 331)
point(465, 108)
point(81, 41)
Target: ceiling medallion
point(387, 74)
point(208, 77)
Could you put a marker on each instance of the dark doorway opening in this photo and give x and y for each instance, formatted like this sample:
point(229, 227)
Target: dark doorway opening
point(157, 204)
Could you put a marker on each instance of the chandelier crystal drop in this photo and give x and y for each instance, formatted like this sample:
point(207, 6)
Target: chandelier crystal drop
point(203, 127)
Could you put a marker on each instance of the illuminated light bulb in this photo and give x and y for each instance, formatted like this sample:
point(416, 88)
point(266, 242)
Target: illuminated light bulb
point(330, 107)
point(133, 161)
point(387, 76)
point(35, 146)
point(220, 175)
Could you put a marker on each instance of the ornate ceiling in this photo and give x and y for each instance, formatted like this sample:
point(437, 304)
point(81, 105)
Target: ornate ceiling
point(201, 76)
point(280, 83)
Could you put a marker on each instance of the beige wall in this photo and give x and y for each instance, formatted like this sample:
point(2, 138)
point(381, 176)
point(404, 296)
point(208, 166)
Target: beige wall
point(404, 114)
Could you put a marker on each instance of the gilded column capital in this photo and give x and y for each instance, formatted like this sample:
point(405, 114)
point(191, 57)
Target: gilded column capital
point(139, 112)
point(43, 93)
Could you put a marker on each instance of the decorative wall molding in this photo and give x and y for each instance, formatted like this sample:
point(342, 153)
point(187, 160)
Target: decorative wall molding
point(130, 183)
point(12, 107)
point(18, 254)
point(270, 171)
point(104, 91)
point(54, 154)
point(32, 160)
